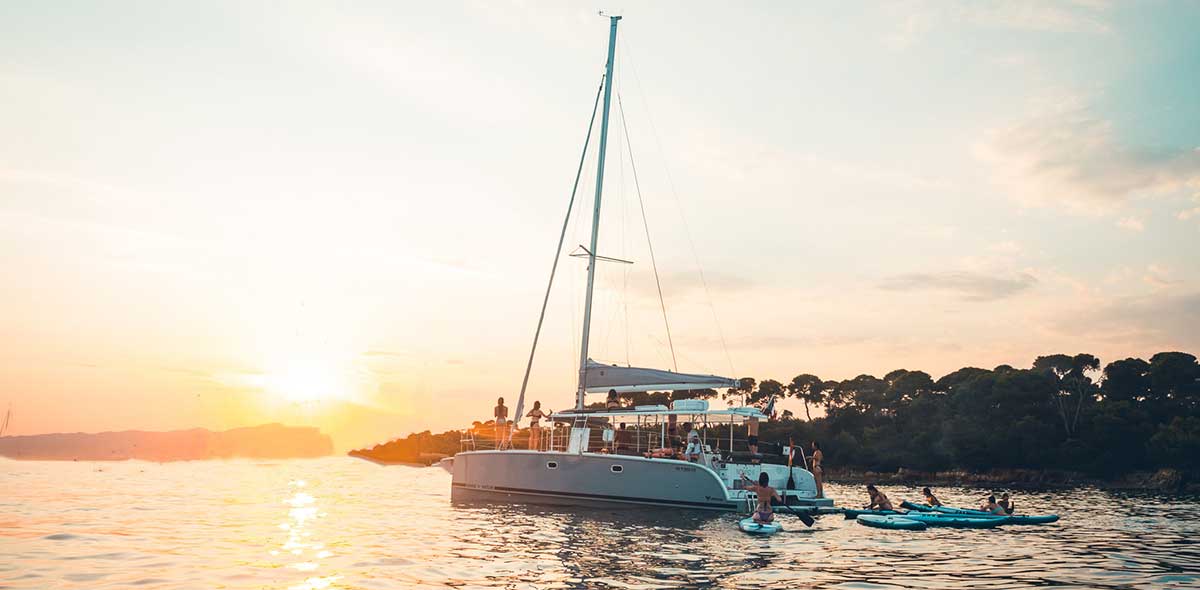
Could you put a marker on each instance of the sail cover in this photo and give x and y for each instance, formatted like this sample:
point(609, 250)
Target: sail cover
point(602, 378)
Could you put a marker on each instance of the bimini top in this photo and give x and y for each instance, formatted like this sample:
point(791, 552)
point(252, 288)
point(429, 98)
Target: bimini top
point(740, 414)
point(601, 378)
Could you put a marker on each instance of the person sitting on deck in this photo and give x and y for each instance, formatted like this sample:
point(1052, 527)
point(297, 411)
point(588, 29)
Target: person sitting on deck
point(931, 499)
point(613, 402)
point(992, 507)
point(695, 450)
point(1007, 504)
point(622, 438)
point(763, 513)
point(879, 501)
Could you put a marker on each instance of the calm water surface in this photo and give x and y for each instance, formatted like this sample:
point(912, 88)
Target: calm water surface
point(341, 523)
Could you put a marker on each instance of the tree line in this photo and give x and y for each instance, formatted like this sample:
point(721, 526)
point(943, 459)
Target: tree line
point(1065, 412)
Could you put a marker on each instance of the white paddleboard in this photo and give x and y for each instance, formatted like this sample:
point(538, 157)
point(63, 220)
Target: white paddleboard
point(748, 525)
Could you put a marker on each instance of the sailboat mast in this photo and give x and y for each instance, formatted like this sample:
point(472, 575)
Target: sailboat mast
point(591, 278)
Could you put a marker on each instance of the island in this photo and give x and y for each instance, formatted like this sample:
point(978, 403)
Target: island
point(266, 441)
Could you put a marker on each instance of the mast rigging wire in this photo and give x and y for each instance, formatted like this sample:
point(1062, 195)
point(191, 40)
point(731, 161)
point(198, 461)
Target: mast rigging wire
point(674, 193)
point(633, 167)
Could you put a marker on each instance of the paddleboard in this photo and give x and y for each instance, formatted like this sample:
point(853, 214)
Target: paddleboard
point(955, 520)
point(852, 513)
point(756, 528)
point(894, 521)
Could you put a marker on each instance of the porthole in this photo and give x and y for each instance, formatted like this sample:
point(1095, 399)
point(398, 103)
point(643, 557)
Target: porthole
point(551, 464)
point(617, 468)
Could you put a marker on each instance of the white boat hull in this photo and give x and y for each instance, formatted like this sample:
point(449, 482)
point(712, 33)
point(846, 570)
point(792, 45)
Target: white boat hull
point(594, 479)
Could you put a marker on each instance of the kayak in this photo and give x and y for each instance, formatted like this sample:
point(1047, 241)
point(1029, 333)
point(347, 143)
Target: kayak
point(852, 514)
point(757, 528)
point(955, 520)
point(893, 521)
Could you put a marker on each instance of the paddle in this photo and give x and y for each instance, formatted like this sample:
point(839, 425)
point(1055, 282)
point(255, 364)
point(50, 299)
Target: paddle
point(804, 518)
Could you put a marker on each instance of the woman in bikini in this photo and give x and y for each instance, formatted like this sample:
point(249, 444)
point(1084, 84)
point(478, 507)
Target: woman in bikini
point(818, 473)
point(535, 431)
point(763, 513)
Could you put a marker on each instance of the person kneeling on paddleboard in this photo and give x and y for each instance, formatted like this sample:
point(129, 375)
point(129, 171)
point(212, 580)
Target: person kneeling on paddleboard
point(1007, 504)
point(878, 500)
point(764, 513)
point(931, 499)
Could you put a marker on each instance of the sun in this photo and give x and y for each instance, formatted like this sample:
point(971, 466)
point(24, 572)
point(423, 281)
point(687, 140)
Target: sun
point(301, 382)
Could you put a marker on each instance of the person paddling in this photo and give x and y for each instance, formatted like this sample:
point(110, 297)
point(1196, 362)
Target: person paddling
point(931, 499)
point(764, 513)
point(991, 507)
point(879, 501)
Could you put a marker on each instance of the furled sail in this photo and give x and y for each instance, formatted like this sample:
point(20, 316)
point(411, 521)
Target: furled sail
point(602, 378)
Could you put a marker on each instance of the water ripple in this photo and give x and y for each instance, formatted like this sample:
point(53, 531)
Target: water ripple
point(346, 524)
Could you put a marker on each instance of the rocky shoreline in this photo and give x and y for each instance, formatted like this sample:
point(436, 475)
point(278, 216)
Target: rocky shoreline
point(1163, 480)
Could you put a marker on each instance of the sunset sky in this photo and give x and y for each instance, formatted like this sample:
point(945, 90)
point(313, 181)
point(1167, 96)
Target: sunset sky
point(343, 214)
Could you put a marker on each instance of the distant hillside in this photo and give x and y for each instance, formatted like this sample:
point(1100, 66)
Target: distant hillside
point(267, 441)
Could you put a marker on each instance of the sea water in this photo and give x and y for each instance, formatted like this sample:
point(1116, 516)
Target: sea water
point(341, 523)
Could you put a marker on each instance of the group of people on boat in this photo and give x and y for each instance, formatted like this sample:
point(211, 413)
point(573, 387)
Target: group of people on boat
point(505, 429)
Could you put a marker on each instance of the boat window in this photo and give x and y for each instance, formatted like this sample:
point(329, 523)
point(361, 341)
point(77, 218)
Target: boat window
point(551, 464)
point(617, 468)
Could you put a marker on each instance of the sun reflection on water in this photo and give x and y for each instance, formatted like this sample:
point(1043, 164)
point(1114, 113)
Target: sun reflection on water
point(302, 512)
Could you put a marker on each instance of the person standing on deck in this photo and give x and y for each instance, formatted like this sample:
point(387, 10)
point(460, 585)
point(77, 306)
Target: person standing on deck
point(535, 430)
point(818, 472)
point(613, 402)
point(752, 435)
point(500, 413)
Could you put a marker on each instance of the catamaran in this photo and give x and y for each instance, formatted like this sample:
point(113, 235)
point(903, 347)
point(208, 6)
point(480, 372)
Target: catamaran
point(629, 456)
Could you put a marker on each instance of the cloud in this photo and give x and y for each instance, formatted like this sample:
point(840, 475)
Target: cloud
point(1132, 224)
point(1069, 157)
point(969, 286)
point(1155, 322)
point(918, 18)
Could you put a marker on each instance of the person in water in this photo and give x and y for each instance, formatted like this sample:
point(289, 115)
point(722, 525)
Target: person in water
point(818, 472)
point(879, 501)
point(990, 506)
point(1007, 504)
point(500, 413)
point(931, 499)
point(535, 430)
point(613, 402)
point(763, 513)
